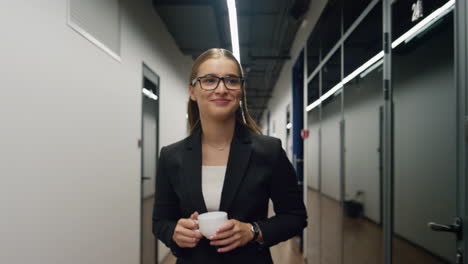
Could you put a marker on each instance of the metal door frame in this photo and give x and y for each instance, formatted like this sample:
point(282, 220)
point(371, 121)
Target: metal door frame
point(461, 82)
point(388, 134)
point(148, 73)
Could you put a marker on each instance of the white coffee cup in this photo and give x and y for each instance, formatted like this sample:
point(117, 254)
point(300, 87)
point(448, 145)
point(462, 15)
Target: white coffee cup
point(209, 222)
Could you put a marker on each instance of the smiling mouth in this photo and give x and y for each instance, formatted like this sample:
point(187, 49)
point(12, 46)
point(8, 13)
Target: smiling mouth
point(221, 101)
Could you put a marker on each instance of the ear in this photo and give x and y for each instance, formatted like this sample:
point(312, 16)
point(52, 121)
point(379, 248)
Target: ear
point(192, 93)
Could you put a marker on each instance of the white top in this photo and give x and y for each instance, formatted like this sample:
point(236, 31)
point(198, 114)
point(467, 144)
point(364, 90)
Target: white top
point(212, 186)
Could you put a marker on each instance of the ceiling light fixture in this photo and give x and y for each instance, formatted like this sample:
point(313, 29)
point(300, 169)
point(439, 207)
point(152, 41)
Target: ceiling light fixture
point(233, 27)
point(377, 60)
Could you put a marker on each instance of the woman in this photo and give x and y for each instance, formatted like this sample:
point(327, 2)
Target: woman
point(224, 165)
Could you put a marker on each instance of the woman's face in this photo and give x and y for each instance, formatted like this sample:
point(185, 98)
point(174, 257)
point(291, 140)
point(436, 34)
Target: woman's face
point(221, 103)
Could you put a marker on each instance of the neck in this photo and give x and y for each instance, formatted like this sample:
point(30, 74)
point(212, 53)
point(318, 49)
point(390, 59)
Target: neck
point(218, 133)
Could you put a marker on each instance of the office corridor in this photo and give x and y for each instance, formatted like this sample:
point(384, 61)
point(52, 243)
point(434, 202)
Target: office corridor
point(369, 99)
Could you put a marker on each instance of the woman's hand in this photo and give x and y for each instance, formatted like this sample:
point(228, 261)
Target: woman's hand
point(231, 235)
point(186, 234)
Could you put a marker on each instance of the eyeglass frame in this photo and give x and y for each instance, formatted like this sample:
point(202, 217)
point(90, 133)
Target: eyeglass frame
point(197, 79)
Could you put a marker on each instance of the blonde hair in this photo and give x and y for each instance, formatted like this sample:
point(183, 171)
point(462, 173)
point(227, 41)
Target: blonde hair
point(193, 111)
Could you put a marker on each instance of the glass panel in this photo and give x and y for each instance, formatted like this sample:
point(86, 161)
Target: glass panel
point(425, 135)
point(362, 225)
point(325, 35)
point(313, 49)
point(331, 21)
point(331, 75)
point(313, 197)
point(352, 10)
point(408, 13)
point(313, 91)
point(365, 42)
point(331, 212)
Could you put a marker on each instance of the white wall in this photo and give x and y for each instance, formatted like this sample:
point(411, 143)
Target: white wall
point(70, 119)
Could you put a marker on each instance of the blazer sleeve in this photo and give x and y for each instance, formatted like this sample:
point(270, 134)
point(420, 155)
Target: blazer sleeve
point(290, 213)
point(166, 210)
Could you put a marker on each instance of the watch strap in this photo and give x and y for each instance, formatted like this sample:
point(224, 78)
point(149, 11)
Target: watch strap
point(255, 230)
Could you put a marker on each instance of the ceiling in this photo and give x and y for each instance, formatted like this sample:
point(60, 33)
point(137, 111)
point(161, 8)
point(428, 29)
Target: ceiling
point(266, 31)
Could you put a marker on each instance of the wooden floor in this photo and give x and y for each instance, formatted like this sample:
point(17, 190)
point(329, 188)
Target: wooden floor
point(335, 239)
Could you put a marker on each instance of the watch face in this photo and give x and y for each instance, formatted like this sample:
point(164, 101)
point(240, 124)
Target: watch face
point(254, 228)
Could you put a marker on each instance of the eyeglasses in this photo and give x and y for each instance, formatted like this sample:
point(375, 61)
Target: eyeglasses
point(210, 83)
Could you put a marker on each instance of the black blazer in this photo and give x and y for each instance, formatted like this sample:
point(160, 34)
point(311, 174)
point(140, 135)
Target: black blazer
point(257, 170)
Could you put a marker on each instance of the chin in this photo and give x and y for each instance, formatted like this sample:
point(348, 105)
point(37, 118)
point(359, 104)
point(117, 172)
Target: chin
point(223, 115)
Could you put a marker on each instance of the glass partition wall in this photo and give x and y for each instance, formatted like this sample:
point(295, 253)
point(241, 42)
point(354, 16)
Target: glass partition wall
point(345, 117)
point(425, 131)
point(313, 170)
point(362, 117)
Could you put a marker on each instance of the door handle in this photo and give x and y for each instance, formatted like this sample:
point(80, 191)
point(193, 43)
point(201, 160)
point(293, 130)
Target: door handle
point(456, 227)
point(146, 178)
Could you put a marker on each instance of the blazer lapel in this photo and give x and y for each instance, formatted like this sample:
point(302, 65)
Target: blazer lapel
point(238, 161)
point(192, 164)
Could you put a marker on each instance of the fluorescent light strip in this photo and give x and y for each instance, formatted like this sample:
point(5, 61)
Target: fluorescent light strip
point(363, 67)
point(332, 91)
point(150, 94)
point(371, 68)
point(426, 22)
point(233, 27)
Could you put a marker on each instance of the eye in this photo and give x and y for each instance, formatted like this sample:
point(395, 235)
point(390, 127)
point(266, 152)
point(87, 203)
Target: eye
point(209, 80)
point(233, 81)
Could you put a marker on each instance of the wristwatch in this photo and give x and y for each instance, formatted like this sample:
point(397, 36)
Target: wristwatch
point(255, 230)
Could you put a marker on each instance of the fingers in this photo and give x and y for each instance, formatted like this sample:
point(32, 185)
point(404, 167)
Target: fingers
point(188, 223)
point(227, 226)
point(198, 234)
point(229, 240)
point(232, 238)
point(186, 233)
point(224, 234)
point(183, 240)
point(194, 216)
point(186, 239)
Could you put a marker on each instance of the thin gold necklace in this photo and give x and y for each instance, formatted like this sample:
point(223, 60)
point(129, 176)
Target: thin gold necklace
point(217, 148)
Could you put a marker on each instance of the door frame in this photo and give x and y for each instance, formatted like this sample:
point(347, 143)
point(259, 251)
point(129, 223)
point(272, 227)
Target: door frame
point(388, 135)
point(461, 82)
point(149, 74)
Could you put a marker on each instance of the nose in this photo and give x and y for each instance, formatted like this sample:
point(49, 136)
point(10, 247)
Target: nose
point(221, 87)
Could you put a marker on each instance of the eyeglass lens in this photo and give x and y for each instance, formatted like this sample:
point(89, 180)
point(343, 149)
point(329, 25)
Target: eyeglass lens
point(211, 82)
